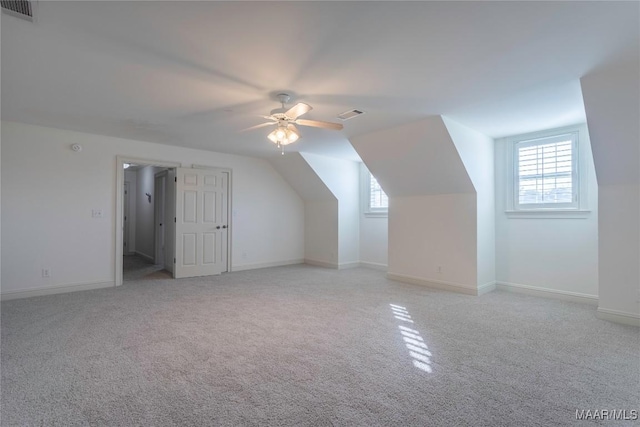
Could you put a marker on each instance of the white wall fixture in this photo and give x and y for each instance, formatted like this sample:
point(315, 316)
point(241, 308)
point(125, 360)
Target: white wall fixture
point(76, 147)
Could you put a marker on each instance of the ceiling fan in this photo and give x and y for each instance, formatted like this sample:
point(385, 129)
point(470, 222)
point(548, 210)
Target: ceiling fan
point(285, 120)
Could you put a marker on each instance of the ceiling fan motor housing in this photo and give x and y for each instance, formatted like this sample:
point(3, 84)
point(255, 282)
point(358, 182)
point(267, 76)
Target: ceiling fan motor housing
point(278, 112)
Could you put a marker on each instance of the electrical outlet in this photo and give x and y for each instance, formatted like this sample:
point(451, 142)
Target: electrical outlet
point(97, 213)
point(439, 269)
point(46, 273)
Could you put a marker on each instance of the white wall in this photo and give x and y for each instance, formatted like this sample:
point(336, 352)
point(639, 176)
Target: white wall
point(321, 225)
point(374, 241)
point(619, 254)
point(49, 191)
point(427, 232)
point(612, 105)
point(548, 253)
point(432, 204)
point(374, 229)
point(321, 243)
point(342, 177)
point(477, 152)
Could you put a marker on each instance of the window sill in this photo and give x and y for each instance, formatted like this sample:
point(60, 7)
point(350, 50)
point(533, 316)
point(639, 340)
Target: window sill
point(549, 214)
point(376, 214)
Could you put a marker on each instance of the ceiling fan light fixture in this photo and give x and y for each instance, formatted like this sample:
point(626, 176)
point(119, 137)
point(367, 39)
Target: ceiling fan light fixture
point(285, 120)
point(283, 136)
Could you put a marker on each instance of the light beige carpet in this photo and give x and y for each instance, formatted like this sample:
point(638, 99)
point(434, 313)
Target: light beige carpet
point(308, 346)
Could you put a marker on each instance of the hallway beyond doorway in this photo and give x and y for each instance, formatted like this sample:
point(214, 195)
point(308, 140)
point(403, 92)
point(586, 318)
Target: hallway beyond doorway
point(135, 267)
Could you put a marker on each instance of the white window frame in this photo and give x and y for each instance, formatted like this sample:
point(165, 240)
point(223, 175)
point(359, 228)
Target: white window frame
point(365, 191)
point(578, 208)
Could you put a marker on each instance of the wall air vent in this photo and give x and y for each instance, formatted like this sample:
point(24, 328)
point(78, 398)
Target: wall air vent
point(350, 114)
point(20, 8)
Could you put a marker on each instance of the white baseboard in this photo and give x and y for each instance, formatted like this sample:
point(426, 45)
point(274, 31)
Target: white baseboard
point(374, 265)
point(486, 288)
point(147, 257)
point(319, 263)
point(51, 290)
point(352, 264)
point(436, 284)
point(618, 316)
point(548, 293)
point(256, 266)
point(345, 265)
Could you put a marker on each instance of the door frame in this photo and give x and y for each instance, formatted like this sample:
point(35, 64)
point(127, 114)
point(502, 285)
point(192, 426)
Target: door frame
point(229, 173)
point(120, 161)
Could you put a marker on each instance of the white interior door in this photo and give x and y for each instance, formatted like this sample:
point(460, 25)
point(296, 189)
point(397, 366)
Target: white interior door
point(201, 222)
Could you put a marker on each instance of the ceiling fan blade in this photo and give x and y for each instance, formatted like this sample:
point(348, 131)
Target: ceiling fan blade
point(258, 126)
point(319, 124)
point(294, 130)
point(297, 110)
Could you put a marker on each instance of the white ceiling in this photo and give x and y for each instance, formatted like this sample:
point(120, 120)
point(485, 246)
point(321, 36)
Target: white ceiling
point(195, 73)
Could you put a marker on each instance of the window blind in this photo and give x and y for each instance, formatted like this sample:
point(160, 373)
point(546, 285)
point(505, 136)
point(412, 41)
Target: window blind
point(377, 198)
point(545, 172)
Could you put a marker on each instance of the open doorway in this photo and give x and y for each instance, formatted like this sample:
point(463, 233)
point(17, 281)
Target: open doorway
point(190, 231)
point(147, 248)
point(143, 201)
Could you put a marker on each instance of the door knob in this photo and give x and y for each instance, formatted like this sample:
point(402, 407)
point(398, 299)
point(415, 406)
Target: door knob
point(218, 227)
point(224, 226)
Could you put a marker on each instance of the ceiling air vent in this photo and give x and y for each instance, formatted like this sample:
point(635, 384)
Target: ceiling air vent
point(20, 8)
point(350, 114)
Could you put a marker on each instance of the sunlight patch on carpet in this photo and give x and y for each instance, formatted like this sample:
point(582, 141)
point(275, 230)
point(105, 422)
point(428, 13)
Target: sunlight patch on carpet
point(418, 350)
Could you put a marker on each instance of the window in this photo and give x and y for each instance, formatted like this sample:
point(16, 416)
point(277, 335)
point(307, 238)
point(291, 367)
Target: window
point(374, 201)
point(378, 201)
point(546, 173)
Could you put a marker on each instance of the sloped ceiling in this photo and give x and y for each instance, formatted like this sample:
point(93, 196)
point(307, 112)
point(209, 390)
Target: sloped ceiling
point(304, 180)
point(612, 103)
point(414, 159)
point(195, 73)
